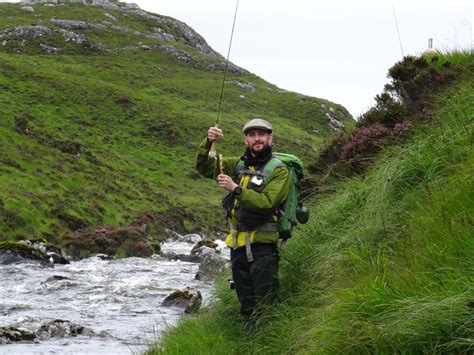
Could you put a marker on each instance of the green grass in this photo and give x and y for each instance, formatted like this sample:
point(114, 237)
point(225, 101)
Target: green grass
point(138, 116)
point(385, 264)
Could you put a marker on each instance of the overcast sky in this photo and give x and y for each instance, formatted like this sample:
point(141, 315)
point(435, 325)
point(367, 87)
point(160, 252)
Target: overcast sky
point(335, 49)
point(339, 50)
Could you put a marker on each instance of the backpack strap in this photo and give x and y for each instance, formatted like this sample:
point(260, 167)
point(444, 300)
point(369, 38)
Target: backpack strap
point(267, 169)
point(271, 165)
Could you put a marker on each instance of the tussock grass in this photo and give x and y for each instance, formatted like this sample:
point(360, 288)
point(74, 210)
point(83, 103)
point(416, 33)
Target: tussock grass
point(384, 266)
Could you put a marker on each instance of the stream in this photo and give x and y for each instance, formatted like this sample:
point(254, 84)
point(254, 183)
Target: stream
point(120, 297)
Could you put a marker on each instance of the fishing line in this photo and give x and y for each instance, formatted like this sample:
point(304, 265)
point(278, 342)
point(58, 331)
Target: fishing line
point(227, 63)
point(398, 31)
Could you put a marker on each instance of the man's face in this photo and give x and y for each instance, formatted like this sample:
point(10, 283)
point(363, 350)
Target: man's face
point(257, 139)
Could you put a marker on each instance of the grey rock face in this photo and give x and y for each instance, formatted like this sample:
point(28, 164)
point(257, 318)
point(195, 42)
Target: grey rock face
point(177, 53)
point(27, 32)
point(69, 36)
point(333, 122)
point(112, 17)
point(192, 38)
point(247, 86)
point(49, 49)
point(71, 25)
point(161, 35)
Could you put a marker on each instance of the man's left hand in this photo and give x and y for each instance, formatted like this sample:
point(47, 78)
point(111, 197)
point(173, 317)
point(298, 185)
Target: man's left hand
point(226, 182)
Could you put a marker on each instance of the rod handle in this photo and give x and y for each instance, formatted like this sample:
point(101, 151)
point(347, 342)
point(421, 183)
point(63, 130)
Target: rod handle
point(213, 150)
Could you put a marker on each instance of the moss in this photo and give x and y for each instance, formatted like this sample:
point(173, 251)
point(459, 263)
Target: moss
point(23, 250)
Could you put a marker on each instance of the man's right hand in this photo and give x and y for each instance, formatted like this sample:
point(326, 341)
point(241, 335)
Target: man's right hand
point(214, 133)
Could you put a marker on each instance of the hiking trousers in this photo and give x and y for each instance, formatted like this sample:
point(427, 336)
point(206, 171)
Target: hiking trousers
point(255, 282)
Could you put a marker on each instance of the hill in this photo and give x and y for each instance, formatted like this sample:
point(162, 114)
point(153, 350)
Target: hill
point(385, 264)
point(101, 110)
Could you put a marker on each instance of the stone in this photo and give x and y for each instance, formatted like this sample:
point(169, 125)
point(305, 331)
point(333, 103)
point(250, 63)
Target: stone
point(112, 17)
point(14, 252)
point(177, 53)
point(203, 243)
point(55, 255)
point(57, 278)
point(183, 298)
point(246, 86)
point(27, 32)
point(185, 258)
point(28, 9)
point(10, 335)
point(49, 49)
point(211, 266)
point(60, 328)
point(71, 25)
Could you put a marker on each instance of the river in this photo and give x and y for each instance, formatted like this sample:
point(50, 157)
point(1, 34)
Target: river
point(121, 297)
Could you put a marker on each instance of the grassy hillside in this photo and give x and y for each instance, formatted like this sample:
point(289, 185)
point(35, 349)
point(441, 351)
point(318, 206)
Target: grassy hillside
point(99, 122)
point(385, 264)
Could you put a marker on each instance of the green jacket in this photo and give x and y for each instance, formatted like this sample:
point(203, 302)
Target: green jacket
point(273, 195)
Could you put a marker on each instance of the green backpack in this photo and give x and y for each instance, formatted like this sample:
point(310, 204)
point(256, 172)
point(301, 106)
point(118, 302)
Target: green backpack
point(293, 211)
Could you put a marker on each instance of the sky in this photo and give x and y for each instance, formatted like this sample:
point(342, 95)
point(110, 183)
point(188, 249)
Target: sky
point(338, 50)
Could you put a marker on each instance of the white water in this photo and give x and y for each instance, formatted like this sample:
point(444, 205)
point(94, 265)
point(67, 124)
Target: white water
point(121, 297)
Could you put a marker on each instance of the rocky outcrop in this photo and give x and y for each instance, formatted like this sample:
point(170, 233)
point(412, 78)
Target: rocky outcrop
point(334, 123)
point(75, 25)
point(179, 54)
point(26, 32)
point(246, 86)
point(87, 2)
point(17, 38)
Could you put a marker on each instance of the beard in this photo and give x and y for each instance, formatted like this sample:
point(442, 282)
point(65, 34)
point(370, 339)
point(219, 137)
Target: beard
point(261, 146)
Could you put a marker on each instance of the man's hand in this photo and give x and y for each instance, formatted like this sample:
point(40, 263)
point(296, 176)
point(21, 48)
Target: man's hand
point(214, 133)
point(226, 182)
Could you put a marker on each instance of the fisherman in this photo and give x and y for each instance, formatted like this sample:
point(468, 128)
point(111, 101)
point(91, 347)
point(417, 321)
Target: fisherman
point(252, 206)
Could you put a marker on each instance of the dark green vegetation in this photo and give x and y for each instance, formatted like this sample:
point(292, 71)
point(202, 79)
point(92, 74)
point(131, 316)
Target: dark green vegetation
point(98, 126)
point(385, 265)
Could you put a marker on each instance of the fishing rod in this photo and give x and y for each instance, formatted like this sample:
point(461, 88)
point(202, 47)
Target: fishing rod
point(398, 31)
point(213, 150)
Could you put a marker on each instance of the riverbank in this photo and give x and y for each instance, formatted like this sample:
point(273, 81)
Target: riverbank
point(384, 265)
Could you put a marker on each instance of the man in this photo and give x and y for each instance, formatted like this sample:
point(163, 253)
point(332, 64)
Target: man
point(253, 205)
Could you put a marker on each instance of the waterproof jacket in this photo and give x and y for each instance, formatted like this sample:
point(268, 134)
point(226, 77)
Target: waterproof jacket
point(271, 197)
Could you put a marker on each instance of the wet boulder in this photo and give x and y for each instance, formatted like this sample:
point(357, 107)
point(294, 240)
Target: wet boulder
point(55, 255)
point(60, 328)
point(184, 298)
point(188, 238)
point(211, 266)
point(183, 257)
point(14, 252)
point(10, 335)
point(202, 245)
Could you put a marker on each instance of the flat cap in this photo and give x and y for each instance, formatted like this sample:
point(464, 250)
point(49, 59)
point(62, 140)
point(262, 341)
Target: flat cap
point(257, 123)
